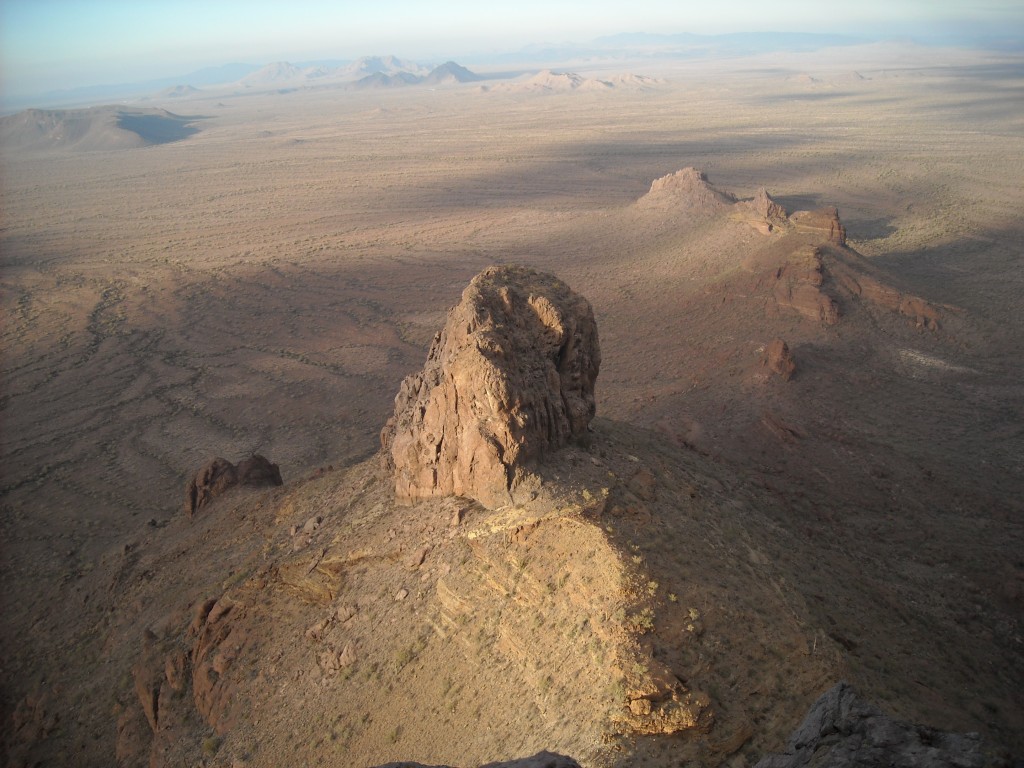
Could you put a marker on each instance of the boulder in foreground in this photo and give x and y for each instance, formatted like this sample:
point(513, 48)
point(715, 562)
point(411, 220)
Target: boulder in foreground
point(540, 760)
point(509, 378)
point(841, 730)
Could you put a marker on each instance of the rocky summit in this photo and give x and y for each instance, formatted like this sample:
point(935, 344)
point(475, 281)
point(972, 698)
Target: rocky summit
point(509, 378)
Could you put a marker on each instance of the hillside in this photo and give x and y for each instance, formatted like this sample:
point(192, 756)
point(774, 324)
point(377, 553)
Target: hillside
point(97, 128)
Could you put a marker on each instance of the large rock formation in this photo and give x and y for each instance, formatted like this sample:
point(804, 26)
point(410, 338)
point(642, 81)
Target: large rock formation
point(218, 475)
point(509, 378)
point(843, 731)
point(687, 190)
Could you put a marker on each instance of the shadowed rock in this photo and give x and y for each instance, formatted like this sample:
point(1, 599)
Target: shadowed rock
point(778, 359)
point(509, 378)
point(540, 760)
point(218, 475)
point(843, 731)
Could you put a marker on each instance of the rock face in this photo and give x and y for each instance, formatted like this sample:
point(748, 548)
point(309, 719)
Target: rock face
point(824, 222)
point(687, 190)
point(798, 286)
point(843, 731)
point(778, 359)
point(218, 475)
point(509, 378)
point(767, 208)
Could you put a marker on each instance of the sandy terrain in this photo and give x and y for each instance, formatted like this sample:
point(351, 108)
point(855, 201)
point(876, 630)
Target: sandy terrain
point(264, 284)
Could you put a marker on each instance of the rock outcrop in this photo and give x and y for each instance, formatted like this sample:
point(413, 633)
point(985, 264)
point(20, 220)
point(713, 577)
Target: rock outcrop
point(824, 222)
point(509, 378)
point(798, 286)
point(778, 359)
point(863, 286)
point(686, 190)
point(843, 731)
point(218, 475)
point(766, 207)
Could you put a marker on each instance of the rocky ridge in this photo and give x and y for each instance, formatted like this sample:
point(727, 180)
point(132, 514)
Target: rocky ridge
point(808, 268)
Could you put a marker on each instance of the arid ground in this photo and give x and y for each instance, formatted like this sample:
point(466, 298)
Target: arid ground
point(263, 284)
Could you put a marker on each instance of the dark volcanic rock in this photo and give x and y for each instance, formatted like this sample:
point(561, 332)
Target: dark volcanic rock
point(843, 731)
point(509, 378)
point(218, 475)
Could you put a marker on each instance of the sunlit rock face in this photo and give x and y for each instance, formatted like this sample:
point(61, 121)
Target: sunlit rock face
point(509, 378)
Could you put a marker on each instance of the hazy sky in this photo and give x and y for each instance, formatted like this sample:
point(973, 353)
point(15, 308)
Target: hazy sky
point(65, 43)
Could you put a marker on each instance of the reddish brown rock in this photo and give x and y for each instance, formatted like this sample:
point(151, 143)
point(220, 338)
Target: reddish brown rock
point(148, 677)
point(824, 222)
point(765, 207)
point(221, 639)
point(218, 475)
point(798, 286)
point(509, 378)
point(686, 190)
point(778, 359)
point(866, 287)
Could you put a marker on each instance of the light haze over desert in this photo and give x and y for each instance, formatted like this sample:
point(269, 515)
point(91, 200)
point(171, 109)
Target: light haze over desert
point(755, 271)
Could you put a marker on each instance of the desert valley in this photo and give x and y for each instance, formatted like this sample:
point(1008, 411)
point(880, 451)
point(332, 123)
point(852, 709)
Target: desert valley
point(806, 464)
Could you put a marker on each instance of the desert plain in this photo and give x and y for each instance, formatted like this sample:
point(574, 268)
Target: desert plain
point(263, 283)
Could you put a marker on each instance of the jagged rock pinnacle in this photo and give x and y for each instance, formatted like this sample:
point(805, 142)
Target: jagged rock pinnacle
point(509, 378)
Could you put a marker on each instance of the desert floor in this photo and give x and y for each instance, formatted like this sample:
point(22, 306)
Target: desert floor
point(264, 285)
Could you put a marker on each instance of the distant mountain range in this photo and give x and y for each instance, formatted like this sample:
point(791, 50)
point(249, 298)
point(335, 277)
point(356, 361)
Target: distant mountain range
point(391, 71)
point(367, 72)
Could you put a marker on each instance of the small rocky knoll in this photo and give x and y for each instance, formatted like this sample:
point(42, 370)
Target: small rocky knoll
point(686, 190)
point(219, 475)
point(509, 378)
